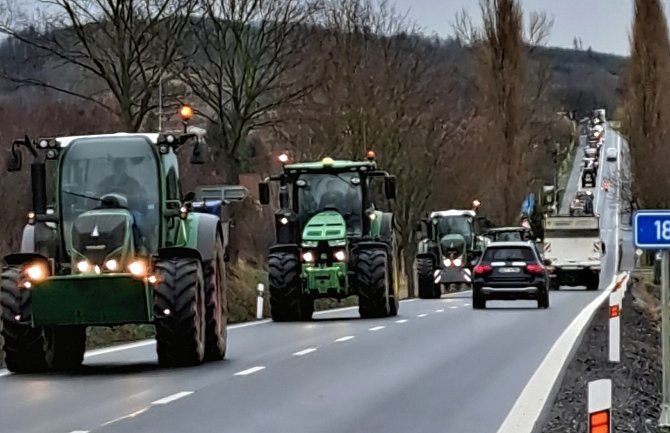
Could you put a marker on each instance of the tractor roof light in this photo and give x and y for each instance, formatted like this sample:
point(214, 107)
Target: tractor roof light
point(283, 157)
point(36, 271)
point(371, 156)
point(327, 162)
point(31, 217)
point(186, 113)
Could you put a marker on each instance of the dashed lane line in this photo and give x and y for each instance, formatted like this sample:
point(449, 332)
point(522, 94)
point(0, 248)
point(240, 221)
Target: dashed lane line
point(249, 371)
point(421, 315)
point(305, 352)
point(347, 338)
point(171, 398)
point(376, 328)
point(401, 321)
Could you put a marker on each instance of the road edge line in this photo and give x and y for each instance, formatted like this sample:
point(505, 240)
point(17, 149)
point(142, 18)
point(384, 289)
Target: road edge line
point(531, 407)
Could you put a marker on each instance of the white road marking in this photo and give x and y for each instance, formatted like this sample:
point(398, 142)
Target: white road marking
point(80, 431)
point(401, 321)
point(466, 304)
point(529, 405)
point(305, 352)
point(453, 307)
point(441, 310)
point(376, 328)
point(249, 371)
point(4, 372)
point(421, 315)
point(171, 398)
point(347, 338)
point(132, 415)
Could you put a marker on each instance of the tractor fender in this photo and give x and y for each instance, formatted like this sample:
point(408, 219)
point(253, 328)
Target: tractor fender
point(18, 259)
point(202, 230)
point(179, 252)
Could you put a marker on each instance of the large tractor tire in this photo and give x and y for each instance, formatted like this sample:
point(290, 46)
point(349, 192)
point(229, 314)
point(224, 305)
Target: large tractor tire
point(216, 305)
point(179, 307)
point(287, 303)
point(427, 287)
point(65, 347)
point(375, 285)
point(23, 345)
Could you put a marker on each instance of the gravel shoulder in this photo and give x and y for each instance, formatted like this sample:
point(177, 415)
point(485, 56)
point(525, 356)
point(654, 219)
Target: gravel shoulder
point(636, 380)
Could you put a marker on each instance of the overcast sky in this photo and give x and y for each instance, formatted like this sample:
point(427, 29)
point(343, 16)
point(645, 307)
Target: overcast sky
point(602, 24)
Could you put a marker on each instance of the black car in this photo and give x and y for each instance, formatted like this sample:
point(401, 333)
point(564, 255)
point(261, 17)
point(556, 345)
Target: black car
point(510, 271)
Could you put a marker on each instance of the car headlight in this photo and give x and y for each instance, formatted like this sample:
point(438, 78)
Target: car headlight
point(340, 255)
point(308, 257)
point(138, 268)
point(112, 265)
point(36, 271)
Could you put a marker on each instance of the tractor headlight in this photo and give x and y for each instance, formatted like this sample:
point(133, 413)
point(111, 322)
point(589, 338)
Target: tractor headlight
point(283, 220)
point(112, 265)
point(340, 255)
point(138, 268)
point(36, 271)
point(308, 257)
point(84, 266)
point(446, 262)
point(457, 261)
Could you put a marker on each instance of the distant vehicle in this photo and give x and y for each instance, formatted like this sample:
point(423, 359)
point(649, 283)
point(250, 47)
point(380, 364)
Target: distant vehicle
point(574, 247)
point(590, 152)
point(588, 178)
point(582, 204)
point(510, 271)
point(611, 154)
point(514, 234)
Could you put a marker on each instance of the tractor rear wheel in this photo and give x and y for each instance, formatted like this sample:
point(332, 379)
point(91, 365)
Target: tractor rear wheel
point(65, 347)
point(24, 345)
point(374, 278)
point(287, 302)
point(427, 287)
point(216, 307)
point(179, 308)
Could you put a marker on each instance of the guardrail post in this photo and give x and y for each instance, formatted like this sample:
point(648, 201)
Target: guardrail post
point(615, 326)
point(259, 301)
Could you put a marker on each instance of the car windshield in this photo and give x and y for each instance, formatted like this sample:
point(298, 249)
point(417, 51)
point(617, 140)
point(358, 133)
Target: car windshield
point(508, 236)
point(507, 254)
point(93, 167)
point(449, 225)
point(341, 192)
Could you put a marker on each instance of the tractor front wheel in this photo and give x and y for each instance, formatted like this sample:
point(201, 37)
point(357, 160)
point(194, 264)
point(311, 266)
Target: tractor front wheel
point(427, 287)
point(24, 345)
point(65, 347)
point(373, 274)
point(216, 308)
point(179, 308)
point(287, 302)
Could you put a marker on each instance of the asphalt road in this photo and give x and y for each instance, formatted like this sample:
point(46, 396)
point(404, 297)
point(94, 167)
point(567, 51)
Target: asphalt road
point(439, 366)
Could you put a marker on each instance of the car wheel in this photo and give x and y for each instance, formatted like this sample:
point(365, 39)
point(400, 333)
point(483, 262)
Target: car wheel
point(478, 299)
point(543, 298)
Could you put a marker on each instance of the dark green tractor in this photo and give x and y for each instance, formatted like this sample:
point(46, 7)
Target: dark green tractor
point(331, 242)
point(110, 240)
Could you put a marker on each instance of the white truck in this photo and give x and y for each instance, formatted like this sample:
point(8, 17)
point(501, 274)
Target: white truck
point(573, 246)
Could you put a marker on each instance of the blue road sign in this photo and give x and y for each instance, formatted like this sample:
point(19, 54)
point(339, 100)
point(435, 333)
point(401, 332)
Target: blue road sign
point(651, 229)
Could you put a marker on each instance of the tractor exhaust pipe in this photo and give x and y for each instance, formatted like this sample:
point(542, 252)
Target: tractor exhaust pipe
point(38, 178)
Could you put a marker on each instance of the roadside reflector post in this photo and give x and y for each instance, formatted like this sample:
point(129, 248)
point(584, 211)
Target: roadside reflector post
point(615, 327)
point(664, 420)
point(600, 406)
point(259, 301)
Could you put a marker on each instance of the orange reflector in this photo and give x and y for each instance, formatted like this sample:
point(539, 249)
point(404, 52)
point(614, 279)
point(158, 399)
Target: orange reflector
point(600, 422)
point(614, 311)
point(371, 155)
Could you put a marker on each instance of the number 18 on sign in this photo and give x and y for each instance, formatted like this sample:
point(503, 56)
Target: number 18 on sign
point(651, 230)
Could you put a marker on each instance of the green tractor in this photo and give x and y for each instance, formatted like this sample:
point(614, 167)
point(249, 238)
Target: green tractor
point(110, 240)
point(331, 242)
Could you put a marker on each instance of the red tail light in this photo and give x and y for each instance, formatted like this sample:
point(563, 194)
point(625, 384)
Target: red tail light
point(483, 269)
point(535, 269)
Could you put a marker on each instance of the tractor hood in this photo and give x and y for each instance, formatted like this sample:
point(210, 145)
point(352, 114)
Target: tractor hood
point(102, 234)
point(325, 226)
point(453, 244)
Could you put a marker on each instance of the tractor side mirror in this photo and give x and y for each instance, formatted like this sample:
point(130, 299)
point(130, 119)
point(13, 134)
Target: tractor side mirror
point(264, 192)
point(546, 262)
point(198, 155)
point(389, 187)
point(190, 196)
point(15, 160)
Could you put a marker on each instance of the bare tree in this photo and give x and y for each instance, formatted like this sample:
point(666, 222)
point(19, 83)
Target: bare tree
point(510, 97)
point(128, 45)
point(647, 104)
point(250, 65)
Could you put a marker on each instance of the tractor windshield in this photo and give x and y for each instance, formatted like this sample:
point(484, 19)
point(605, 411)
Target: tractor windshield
point(126, 166)
point(318, 192)
point(456, 225)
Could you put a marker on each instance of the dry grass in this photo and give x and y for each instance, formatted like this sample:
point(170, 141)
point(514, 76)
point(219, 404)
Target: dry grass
point(646, 294)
